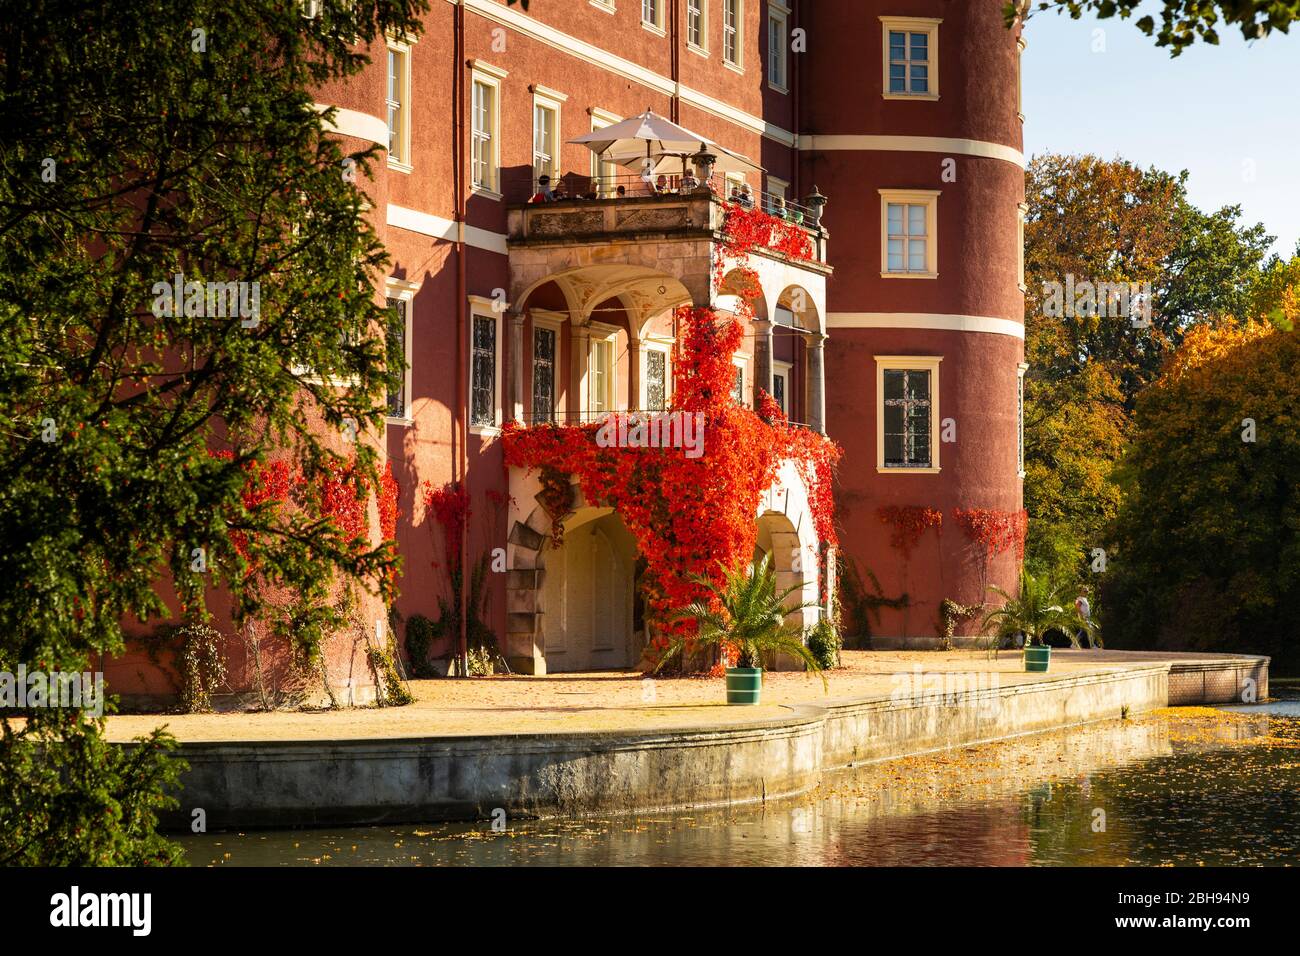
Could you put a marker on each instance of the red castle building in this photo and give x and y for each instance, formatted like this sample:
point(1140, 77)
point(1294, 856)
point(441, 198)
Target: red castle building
point(887, 131)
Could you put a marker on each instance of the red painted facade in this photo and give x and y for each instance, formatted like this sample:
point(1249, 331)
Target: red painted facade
point(831, 127)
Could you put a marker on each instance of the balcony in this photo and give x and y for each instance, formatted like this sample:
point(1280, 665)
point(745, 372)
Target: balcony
point(622, 209)
point(595, 282)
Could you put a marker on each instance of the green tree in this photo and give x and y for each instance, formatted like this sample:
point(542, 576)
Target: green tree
point(140, 140)
point(1182, 22)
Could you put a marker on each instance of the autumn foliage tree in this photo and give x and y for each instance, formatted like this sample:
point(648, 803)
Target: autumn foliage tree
point(1095, 220)
point(1207, 550)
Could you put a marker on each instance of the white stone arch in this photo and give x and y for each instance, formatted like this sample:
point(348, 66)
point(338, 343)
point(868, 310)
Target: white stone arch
point(801, 304)
point(786, 529)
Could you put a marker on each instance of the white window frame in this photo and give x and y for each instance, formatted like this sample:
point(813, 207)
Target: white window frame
point(545, 98)
point(395, 288)
point(927, 25)
point(490, 77)
point(605, 6)
point(778, 13)
point(929, 198)
point(402, 49)
point(702, 48)
point(656, 24)
point(737, 62)
point(599, 169)
point(909, 363)
point(1022, 210)
point(1020, 418)
point(554, 322)
point(484, 308)
point(783, 371)
point(741, 362)
point(777, 187)
point(663, 345)
point(602, 335)
point(1020, 85)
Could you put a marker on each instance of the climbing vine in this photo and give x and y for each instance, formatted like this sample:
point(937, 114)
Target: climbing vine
point(992, 532)
point(692, 515)
point(909, 523)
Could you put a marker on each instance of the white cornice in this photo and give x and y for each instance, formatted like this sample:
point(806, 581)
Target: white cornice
point(914, 144)
point(925, 320)
point(439, 228)
point(354, 123)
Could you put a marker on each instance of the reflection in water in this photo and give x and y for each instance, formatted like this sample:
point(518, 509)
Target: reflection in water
point(1185, 787)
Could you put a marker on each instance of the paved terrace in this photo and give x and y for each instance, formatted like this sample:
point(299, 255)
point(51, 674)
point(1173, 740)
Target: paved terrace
point(621, 701)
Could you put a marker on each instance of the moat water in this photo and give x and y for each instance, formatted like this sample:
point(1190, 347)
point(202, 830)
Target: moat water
point(1185, 788)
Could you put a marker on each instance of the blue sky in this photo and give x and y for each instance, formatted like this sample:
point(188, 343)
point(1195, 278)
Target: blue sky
point(1229, 114)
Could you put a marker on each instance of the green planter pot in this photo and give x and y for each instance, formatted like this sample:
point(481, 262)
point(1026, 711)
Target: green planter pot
point(744, 685)
point(1037, 658)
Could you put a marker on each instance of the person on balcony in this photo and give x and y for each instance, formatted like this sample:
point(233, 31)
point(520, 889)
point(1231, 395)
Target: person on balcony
point(746, 197)
point(559, 192)
point(544, 193)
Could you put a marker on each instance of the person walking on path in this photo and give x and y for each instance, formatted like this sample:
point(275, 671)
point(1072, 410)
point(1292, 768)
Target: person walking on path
point(1085, 614)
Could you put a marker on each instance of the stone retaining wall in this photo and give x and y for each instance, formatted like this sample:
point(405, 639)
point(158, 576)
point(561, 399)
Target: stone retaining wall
point(306, 783)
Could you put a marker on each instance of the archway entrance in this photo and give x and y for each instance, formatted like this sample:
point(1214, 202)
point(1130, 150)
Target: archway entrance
point(586, 620)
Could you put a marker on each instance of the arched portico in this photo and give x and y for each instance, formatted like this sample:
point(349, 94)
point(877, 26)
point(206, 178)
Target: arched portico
point(554, 594)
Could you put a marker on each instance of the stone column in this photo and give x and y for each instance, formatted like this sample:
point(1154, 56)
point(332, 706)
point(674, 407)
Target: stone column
point(580, 351)
point(762, 357)
point(816, 382)
point(634, 373)
point(515, 402)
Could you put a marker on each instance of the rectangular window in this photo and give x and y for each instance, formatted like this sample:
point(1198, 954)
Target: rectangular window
point(601, 376)
point(544, 374)
point(778, 391)
point(695, 23)
point(483, 147)
point(483, 373)
point(907, 418)
point(395, 343)
point(908, 413)
point(911, 57)
point(543, 141)
point(777, 45)
point(1020, 420)
point(398, 101)
point(656, 380)
point(1021, 212)
point(731, 27)
point(652, 13)
point(738, 389)
point(606, 175)
point(908, 240)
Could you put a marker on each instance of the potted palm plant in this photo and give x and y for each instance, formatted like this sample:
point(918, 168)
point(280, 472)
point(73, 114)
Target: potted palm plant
point(748, 613)
point(1033, 613)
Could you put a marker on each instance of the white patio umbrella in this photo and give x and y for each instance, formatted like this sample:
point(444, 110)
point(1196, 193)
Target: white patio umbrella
point(651, 137)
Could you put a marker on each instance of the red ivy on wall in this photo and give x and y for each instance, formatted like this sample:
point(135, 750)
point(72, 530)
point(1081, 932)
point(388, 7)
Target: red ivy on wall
point(449, 506)
point(691, 516)
point(994, 531)
point(341, 494)
point(909, 523)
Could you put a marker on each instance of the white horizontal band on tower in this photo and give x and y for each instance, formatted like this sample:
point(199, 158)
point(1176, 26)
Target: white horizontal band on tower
point(935, 321)
point(914, 144)
point(441, 228)
point(355, 123)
